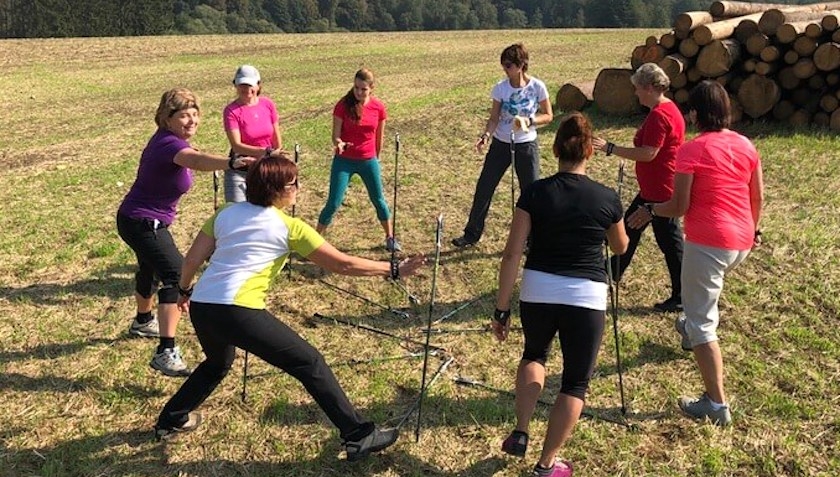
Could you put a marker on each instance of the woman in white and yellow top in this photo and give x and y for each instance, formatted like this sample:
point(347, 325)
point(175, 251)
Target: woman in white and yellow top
point(247, 244)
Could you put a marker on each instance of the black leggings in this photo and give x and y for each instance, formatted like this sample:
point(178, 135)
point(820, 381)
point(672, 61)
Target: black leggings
point(668, 236)
point(580, 331)
point(220, 328)
point(157, 255)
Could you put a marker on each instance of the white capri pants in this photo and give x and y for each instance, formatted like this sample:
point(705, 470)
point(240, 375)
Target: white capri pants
point(703, 269)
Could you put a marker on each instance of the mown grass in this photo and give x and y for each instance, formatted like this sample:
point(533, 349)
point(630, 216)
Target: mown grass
point(79, 398)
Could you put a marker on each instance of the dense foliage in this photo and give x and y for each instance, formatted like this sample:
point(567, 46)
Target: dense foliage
point(64, 18)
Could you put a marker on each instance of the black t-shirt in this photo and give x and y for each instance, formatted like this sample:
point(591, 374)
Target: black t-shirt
point(570, 215)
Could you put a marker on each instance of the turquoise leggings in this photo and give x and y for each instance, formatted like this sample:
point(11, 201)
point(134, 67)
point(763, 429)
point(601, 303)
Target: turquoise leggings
point(341, 172)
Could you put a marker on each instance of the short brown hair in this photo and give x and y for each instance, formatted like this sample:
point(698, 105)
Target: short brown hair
point(516, 54)
point(710, 102)
point(267, 179)
point(172, 101)
point(573, 141)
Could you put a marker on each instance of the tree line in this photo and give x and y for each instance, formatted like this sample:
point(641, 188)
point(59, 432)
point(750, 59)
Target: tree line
point(74, 18)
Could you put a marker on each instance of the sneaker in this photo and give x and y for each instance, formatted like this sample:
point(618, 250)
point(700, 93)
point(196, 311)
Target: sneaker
point(670, 305)
point(516, 444)
point(701, 408)
point(562, 468)
point(376, 441)
point(169, 362)
point(145, 330)
point(392, 245)
point(463, 242)
point(166, 433)
point(679, 325)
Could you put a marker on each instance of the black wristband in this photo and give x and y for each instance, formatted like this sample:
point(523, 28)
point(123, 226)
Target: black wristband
point(395, 268)
point(610, 148)
point(501, 316)
point(231, 161)
point(268, 151)
point(185, 293)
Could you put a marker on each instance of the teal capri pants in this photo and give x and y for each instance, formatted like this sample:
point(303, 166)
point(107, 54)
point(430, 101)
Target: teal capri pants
point(341, 172)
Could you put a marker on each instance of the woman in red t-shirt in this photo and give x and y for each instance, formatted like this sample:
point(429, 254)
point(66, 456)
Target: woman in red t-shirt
point(719, 189)
point(357, 133)
point(654, 151)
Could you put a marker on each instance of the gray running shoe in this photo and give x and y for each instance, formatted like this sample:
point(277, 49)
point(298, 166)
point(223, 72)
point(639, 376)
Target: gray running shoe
point(701, 408)
point(166, 433)
point(679, 325)
point(169, 362)
point(145, 330)
point(376, 441)
point(392, 245)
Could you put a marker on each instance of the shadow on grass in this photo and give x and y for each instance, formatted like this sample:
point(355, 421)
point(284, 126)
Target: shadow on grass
point(91, 455)
point(114, 283)
point(649, 352)
point(54, 350)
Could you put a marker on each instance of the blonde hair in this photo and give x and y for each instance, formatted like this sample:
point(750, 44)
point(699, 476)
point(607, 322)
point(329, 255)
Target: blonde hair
point(650, 74)
point(172, 101)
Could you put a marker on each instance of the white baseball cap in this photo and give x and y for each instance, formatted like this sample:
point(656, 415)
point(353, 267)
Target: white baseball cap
point(246, 74)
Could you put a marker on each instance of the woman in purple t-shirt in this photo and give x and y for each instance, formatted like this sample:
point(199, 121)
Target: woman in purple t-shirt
point(148, 209)
point(252, 126)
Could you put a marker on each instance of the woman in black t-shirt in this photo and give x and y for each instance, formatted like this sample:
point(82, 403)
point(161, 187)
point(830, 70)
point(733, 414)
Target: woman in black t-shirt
point(564, 287)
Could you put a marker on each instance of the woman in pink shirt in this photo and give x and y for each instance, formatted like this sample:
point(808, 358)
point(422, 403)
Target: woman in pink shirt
point(719, 190)
point(357, 134)
point(252, 126)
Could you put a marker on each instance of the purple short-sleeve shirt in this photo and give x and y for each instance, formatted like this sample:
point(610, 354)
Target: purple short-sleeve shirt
point(160, 182)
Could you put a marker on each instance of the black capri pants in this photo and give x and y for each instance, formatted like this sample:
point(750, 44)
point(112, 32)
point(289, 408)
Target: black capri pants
point(221, 328)
point(158, 258)
point(580, 331)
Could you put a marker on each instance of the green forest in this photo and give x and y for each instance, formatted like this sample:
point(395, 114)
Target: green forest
point(80, 18)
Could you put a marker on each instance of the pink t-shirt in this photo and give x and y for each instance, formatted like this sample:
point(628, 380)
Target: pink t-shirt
point(362, 133)
point(719, 214)
point(663, 128)
point(255, 122)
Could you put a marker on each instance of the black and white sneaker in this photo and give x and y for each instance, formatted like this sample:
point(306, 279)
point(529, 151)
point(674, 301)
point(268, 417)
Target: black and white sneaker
point(376, 441)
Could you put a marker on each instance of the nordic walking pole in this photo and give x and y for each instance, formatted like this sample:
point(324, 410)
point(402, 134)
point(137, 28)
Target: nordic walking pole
point(438, 234)
point(512, 167)
point(411, 297)
point(297, 157)
point(613, 287)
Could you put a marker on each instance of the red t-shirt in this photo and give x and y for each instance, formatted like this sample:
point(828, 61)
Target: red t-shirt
point(719, 214)
point(664, 128)
point(361, 134)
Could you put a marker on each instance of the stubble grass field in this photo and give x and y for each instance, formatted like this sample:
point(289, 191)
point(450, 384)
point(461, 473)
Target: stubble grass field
point(79, 398)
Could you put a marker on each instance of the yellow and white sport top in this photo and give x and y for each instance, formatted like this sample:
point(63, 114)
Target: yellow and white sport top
point(252, 245)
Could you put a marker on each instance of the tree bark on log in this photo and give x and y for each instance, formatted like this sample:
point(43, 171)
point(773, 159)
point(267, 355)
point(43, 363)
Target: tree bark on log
point(772, 19)
point(745, 29)
point(614, 93)
point(717, 57)
point(575, 96)
point(685, 22)
point(719, 30)
point(736, 9)
point(829, 102)
point(830, 20)
point(827, 56)
point(788, 32)
point(763, 68)
point(758, 95)
point(791, 57)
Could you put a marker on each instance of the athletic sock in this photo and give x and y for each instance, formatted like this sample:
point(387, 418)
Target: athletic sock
point(165, 343)
point(716, 406)
point(543, 471)
point(144, 318)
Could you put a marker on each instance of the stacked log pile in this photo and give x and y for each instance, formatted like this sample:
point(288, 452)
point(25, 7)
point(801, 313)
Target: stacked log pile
point(776, 61)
